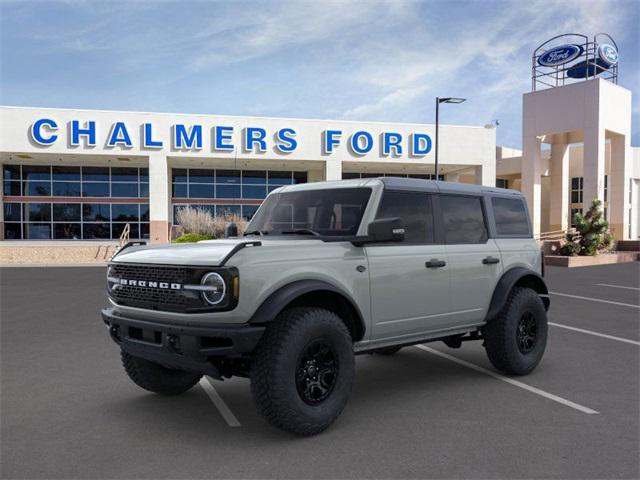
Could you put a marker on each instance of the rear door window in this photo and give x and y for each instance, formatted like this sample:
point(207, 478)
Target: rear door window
point(415, 211)
point(511, 216)
point(463, 219)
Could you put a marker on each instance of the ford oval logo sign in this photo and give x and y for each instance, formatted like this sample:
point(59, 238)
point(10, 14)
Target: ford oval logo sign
point(608, 54)
point(560, 55)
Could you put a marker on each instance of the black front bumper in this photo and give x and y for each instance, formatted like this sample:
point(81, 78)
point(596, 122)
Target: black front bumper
point(182, 347)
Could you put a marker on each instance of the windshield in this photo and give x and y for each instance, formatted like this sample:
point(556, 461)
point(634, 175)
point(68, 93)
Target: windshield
point(322, 212)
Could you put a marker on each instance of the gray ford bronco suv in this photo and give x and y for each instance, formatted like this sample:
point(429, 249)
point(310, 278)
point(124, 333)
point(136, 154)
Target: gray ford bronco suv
point(326, 271)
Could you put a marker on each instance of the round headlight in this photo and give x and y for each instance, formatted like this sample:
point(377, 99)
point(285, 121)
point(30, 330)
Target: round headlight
point(215, 288)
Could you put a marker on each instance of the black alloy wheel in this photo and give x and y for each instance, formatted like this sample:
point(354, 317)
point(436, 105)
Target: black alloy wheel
point(317, 372)
point(527, 332)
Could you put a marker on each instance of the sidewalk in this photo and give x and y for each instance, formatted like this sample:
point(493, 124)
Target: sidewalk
point(55, 253)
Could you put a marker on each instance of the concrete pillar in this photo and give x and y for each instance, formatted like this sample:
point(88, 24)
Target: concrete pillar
point(452, 177)
point(486, 174)
point(619, 187)
point(1, 204)
point(531, 172)
point(559, 201)
point(159, 198)
point(315, 175)
point(332, 169)
point(593, 166)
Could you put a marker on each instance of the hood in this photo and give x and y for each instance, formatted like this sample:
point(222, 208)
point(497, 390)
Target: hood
point(205, 253)
point(210, 253)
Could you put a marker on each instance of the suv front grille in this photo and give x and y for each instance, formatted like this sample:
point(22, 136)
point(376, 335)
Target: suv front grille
point(174, 300)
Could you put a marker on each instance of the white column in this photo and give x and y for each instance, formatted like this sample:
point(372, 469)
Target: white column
point(619, 186)
point(1, 205)
point(531, 172)
point(559, 201)
point(333, 169)
point(593, 166)
point(159, 198)
point(486, 174)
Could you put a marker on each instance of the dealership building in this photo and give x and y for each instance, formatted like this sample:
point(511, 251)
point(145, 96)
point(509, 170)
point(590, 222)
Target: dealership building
point(81, 174)
point(86, 174)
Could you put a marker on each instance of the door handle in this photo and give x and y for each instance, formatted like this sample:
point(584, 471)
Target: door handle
point(435, 263)
point(490, 260)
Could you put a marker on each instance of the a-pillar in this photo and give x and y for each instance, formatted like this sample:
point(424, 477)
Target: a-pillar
point(559, 201)
point(333, 169)
point(531, 173)
point(159, 198)
point(618, 188)
point(593, 166)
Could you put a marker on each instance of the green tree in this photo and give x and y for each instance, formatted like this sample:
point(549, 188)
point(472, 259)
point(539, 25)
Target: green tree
point(592, 233)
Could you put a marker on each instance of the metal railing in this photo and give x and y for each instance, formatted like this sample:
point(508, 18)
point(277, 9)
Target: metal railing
point(124, 236)
point(554, 234)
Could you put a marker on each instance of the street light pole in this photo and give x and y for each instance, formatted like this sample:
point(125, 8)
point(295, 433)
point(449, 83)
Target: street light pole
point(438, 102)
point(437, 130)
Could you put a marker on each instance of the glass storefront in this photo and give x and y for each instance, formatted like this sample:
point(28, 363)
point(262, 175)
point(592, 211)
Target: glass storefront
point(209, 189)
point(77, 202)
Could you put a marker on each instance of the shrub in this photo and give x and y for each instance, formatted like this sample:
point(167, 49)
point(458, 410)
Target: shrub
point(592, 233)
point(201, 222)
point(191, 238)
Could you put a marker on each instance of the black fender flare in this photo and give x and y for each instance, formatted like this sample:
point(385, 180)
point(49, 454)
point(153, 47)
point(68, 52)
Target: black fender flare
point(278, 300)
point(516, 276)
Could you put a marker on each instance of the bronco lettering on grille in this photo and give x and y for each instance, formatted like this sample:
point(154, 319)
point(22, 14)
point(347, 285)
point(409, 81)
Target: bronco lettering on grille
point(148, 284)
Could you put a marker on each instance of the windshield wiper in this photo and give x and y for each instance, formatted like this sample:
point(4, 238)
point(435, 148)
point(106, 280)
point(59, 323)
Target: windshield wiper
point(256, 232)
point(301, 231)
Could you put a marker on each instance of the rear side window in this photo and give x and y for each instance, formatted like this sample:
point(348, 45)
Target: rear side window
point(463, 219)
point(415, 211)
point(510, 216)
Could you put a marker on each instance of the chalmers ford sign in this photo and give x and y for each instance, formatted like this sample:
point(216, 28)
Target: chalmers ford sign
point(46, 132)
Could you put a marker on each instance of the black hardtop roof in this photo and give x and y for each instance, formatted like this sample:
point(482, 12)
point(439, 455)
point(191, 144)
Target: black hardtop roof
point(416, 184)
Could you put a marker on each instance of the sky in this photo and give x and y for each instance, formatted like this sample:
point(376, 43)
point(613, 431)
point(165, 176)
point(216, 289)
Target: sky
point(345, 60)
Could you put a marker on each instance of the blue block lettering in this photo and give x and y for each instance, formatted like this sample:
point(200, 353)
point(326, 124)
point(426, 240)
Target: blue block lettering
point(392, 141)
point(331, 140)
point(421, 144)
point(356, 144)
point(119, 136)
point(89, 131)
point(286, 142)
point(189, 139)
point(147, 137)
point(38, 136)
point(221, 138)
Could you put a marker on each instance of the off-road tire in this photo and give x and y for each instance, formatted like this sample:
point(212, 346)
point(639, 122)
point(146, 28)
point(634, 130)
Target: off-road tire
point(156, 378)
point(501, 338)
point(388, 350)
point(276, 364)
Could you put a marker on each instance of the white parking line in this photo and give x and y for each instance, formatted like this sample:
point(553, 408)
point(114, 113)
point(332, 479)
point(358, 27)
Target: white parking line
point(227, 414)
point(595, 300)
point(590, 332)
point(617, 286)
point(511, 381)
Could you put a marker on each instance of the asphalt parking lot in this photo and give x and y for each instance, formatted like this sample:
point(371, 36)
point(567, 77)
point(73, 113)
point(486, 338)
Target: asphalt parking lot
point(68, 410)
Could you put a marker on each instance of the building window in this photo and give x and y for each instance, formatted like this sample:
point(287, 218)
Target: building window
point(502, 183)
point(217, 186)
point(83, 206)
point(573, 212)
point(576, 189)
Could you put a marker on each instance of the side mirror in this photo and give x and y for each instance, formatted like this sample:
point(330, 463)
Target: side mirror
point(383, 230)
